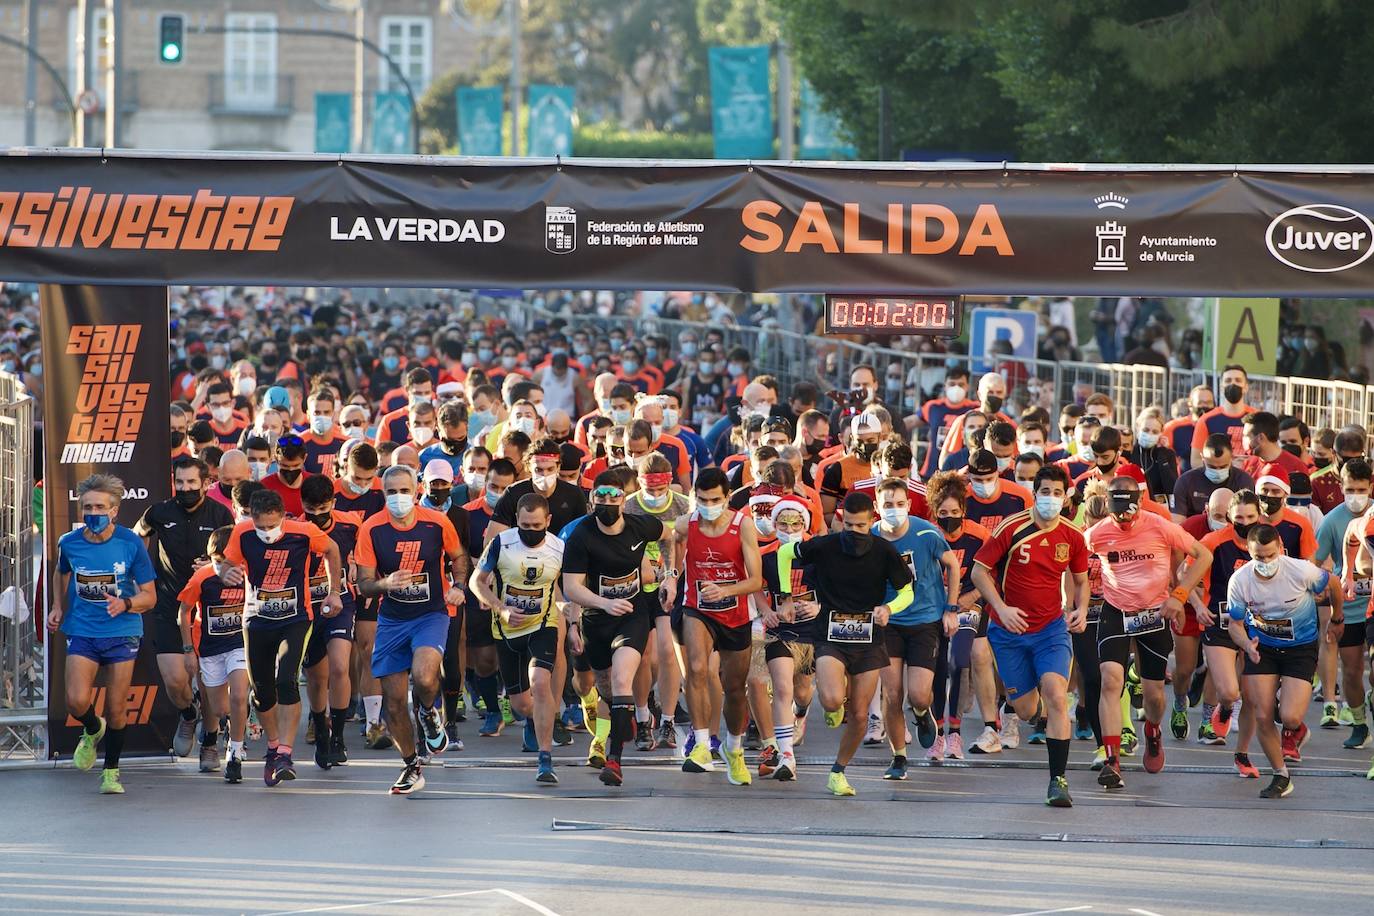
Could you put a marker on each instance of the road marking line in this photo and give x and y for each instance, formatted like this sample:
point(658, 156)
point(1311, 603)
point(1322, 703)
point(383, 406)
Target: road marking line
point(512, 895)
point(1067, 909)
point(1143, 912)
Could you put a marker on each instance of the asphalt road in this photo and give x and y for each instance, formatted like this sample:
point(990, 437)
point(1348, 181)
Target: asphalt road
point(484, 838)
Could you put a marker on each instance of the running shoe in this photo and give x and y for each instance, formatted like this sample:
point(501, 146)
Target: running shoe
point(185, 737)
point(432, 727)
point(269, 768)
point(412, 779)
point(896, 770)
point(377, 738)
point(1359, 737)
point(1129, 741)
point(611, 775)
point(84, 757)
point(644, 736)
point(1329, 716)
point(1178, 724)
point(1345, 716)
point(698, 760)
point(1292, 749)
point(451, 727)
point(1058, 794)
point(572, 717)
point(460, 709)
point(545, 774)
point(1083, 732)
point(926, 729)
point(254, 726)
point(285, 767)
point(936, 754)
point(1279, 787)
point(768, 761)
point(1153, 761)
point(1244, 768)
point(310, 731)
point(1207, 735)
point(1037, 735)
point(1109, 777)
point(876, 734)
point(588, 707)
point(989, 742)
point(667, 735)
point(1222, 727)
point(562, 737)
point(837, 784)
point(529, 744)
point(715, 748)
point(834, 719)
point(1195, 687)
point(1010, 735)
point(1370, 774)
point(737, 771)
point(338, 753)
point(507, 713)
point(323, 759)
point(209, 758)
point(1099, 758)
point(787, 768)
point(233, 770)
point(109, 782)
point(954, 746)
point(753, 741)
point(596, 754)
point(492, 724)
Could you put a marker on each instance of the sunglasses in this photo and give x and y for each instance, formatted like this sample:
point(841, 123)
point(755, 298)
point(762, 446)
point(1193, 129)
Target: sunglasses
point(291, 441)
point(608, 492)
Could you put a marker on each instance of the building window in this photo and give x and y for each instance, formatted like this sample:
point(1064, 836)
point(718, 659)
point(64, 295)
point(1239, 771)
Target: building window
point(97, 49)
point(407, 40)
point(250, 62)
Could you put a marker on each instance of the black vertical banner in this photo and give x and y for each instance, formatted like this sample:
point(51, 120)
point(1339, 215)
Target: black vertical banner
point(105, 398)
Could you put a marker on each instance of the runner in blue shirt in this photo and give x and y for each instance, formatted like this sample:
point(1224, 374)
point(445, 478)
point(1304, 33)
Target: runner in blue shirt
point(1356, 485)
point(106, 583)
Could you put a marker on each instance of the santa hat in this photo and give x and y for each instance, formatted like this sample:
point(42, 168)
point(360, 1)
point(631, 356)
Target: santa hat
point(792, 504)
point(1276, 475)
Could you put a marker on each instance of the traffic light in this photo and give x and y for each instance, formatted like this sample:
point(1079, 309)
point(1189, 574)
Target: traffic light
point(171, 30)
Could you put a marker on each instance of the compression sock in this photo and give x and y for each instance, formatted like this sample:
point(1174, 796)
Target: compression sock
point(784, 736)
point(114, 746)
point(190, 712)
point(489, 689)
point(235, 749)
point(642, 714)
point(209, 739)
point(622, 725)
point(1113, 745)
point(321, 720)
point(451, 698)
point(338, 718)
point(1059, 756)
point(90, 720)
point(372, 709)
point(1357, 714)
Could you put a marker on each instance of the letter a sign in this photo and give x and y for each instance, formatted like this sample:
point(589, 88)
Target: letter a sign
point(1247, 334)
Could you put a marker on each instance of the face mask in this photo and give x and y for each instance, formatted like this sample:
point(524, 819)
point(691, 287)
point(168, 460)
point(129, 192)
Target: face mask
point(604, 404)
point(1215, 524)
point(1124, 506)
point(734, 369)
point(245, 386)
point(1232, 393)
point(1300, 502)
point(993, 403)
point(1243, 530)
point(480, 420)
point(710, 513)
point(188, 499)
point(391, 363)
point(1267, 570)
point(1356, 503)
point(621, 417)
point(1027, 482)
point(689, 348)
point(468, 359)
point(655, 502)
point(651, 353)
point(97, 523)
point(1217, 475)
point(1147, 440)
point(257, 470)
point(607, 515)
point(670, 418)
point(894, 517)
point(864, 450)
point(1003, 463)
point(269, 360)
point(1047, 507)
point(320, 425)
point(492, 498)
point(226, 490)
point(475, 482)
point(289, 475)
point(657, 430)
point(955, 394)
point(178, 439)
point(950, 523)
point(789, 537)
point(854, 543)
point(1199, 411)
point(320, 520)
point(355, 488)
point(1271, 505)
point(400, 504)
point(353, 432)
point(531, 537)
point(223, 414)
point(422, 435)
point(629, 366)
point(421, 351)
point(544, 482)
point(508, 363)
point(1038, 450)
point(269, 535)
point(984, 489)
point(764, 526)
point(616, 343)
point(439, 496)
point(484, 354)
point(523, 425)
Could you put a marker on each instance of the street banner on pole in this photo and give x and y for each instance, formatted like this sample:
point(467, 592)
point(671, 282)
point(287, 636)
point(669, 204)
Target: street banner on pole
point(741, 103)
point(820, 130)
point(550, 131)
point(391, 123)
point(480, 113)
point(333, 121)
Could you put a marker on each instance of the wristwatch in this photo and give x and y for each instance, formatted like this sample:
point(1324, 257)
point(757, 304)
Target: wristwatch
point(187, 649)
point(128, 604)
point(951, 608)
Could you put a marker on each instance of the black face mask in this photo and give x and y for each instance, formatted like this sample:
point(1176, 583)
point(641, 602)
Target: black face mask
point(855, 544)
point(1232, 393)
point(533, 537)
point(993, 403)
point(178, 439)
point(1124, 505)
point(1243, 530)
point(814, 447)
point(187, 499)
point(227, 490)
point(1106, 468)
point(290, 475)
point(269, 360)
point(1293, 449)
point(455, 446)
point(1199, 411)
point(439, 495)
point(1270, 505)
point(951, 523)
point(607, 515)
point(320, 520)
point(864, 451)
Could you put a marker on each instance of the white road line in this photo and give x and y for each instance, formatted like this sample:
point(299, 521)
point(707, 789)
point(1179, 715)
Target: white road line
point(1143, 912)
point(1067, 909)
point(512, 895)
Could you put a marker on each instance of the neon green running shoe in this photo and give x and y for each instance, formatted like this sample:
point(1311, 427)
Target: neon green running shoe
point(84, 758)
point(507, 714)
point(109, 783)
point(834, 719)
point(700, 761)
point(837, 784)
point(738, 772)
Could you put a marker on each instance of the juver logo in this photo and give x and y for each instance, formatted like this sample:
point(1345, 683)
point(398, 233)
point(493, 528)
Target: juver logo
point(1321, 238)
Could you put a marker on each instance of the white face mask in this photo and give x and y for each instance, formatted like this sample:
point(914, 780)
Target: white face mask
point(523, 425)
point(269, 535)
point(245, 386)
point(764, 526)
point(785, 537)
point(400, 504)
point(984, 489)
point(476, 483)
point(321, 425)
point(1147, 440)
point(422, 435)
point(222, 414)
point(1356, 503)
point(544, 482)
point(257, 470)
point(670, 418)
point(1216, 524)
point(894, 517)
point(356, 432)
point(955, 394)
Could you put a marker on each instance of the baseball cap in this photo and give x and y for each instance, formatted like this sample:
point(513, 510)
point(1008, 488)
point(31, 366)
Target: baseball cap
point(438, 469)
point(277, 398)
point(868, 422)
point(982, 461)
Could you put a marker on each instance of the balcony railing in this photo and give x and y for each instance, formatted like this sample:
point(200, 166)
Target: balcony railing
point(268, 97)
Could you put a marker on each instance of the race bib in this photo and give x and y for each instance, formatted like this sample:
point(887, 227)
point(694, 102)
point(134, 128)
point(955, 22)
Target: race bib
point(1362, 587)
point(970, 619)
point(1144, 621)
point(523, 600)
point(1094, 610)
point(1277, 628)
point(224, 620)
point(415, 592)
point(319, 587)
point(720, 604)
point(851, 627)
point(619, 586)
point(275, 604)
point(95, 586)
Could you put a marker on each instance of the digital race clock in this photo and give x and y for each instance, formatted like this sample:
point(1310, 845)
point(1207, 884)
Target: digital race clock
point(931, 316)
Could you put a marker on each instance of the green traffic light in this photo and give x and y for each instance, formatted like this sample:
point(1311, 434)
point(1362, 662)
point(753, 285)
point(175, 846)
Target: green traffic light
point(171, 52)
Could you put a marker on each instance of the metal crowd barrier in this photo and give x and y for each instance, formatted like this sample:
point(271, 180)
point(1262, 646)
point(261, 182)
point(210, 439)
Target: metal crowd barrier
point(23, 701)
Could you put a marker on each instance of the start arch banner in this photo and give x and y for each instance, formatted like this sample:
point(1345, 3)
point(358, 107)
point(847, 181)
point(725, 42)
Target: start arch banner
point(128, 217)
